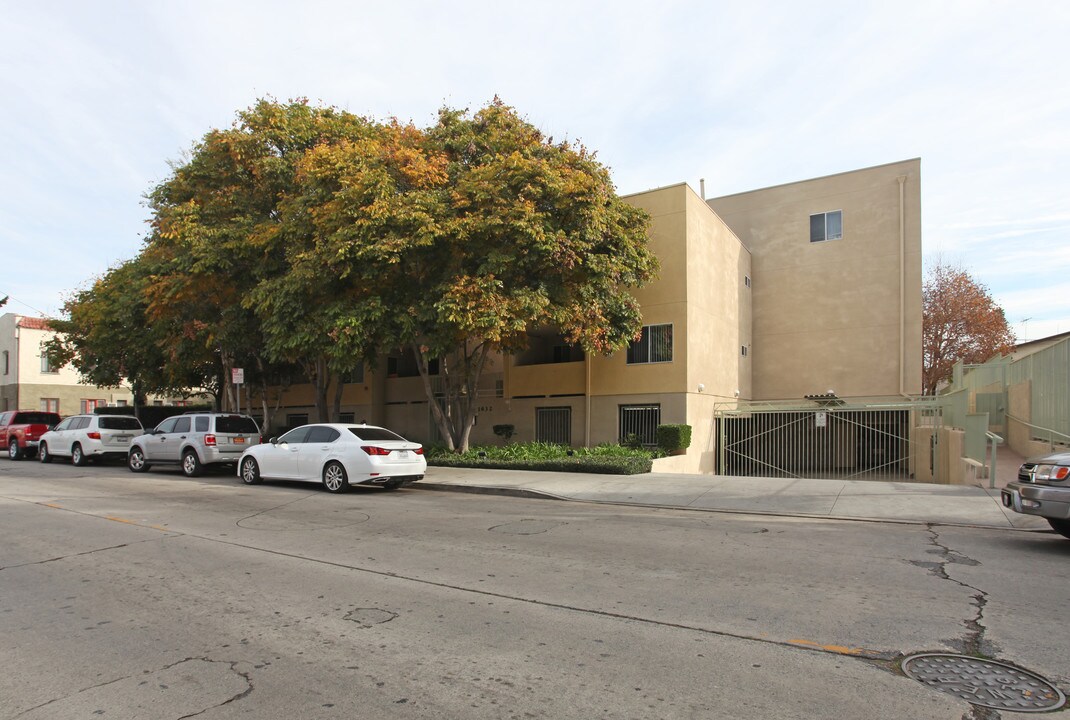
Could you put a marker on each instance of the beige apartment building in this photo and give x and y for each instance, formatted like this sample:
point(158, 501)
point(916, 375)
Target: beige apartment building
point(29, 382)
point(806, 290)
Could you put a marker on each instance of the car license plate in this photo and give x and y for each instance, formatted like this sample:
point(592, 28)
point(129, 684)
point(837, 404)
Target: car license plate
point(239, 440)
point(122, 438)
point(404, 454)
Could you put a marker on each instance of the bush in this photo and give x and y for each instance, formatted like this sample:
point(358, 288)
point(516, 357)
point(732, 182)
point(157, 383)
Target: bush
point(504, 431)
point(671, 438)
point(608, 459)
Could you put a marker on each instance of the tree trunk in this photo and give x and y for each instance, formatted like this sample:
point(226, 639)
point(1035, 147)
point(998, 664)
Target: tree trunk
point(339, 387)
point(455, 411)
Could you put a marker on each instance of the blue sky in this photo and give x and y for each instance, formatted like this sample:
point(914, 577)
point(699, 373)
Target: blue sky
point(100, 97)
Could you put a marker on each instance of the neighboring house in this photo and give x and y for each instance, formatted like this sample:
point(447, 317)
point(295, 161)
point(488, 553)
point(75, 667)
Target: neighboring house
point(809, 289)
point(29, 382)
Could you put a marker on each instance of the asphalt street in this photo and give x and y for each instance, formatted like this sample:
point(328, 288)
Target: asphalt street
point(155, 596)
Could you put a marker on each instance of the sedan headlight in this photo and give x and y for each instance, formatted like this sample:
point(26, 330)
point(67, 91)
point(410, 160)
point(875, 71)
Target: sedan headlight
point(1051, 473)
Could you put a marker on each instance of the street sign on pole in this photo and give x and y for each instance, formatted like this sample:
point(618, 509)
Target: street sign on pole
point(237, 376)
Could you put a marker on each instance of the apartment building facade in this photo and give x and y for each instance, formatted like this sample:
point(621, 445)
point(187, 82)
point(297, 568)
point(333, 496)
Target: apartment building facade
point(29, 382)
point(808, 289)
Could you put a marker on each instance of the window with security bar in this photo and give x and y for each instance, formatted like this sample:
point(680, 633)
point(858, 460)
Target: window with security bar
point(653, 346)
point(553, 425)
point(639, 423)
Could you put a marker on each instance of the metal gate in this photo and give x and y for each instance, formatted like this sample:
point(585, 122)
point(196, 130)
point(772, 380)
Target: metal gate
point(861, 442)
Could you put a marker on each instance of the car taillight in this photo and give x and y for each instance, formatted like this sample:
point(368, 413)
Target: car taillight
point(93, 435)
point(209, 440)
point(419, 451)
point(372, 450)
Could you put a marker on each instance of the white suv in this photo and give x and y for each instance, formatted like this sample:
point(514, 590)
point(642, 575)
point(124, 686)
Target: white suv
point(86, 437)
point(194, 440)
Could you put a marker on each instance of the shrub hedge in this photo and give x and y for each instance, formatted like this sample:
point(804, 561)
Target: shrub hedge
point(671, 438)
point(606, 459)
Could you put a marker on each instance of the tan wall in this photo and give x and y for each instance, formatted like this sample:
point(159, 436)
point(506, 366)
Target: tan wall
point(550, 379)
point(662, 301)
point(826, 315)
point(718, 305)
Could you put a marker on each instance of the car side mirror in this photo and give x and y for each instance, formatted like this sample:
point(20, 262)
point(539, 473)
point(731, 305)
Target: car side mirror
point(274, 441)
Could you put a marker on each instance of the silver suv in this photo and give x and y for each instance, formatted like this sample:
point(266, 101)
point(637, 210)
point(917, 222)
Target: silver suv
point(1043, 489)
point(194, 440)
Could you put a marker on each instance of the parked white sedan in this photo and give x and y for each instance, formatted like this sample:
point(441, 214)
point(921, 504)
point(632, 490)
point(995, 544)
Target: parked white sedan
point(338, 455)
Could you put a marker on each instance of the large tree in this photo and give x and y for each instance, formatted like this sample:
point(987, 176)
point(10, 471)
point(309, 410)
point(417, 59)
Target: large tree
point(960, 323)
point(227, 252)
point(467, 235)
point(311, 236)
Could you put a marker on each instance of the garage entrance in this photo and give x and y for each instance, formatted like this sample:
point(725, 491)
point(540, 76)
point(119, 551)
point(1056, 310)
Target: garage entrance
point(828, 439)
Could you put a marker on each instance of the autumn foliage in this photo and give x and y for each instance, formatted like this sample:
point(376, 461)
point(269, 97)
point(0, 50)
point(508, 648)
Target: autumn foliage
point(309, 237)
point(961, 322)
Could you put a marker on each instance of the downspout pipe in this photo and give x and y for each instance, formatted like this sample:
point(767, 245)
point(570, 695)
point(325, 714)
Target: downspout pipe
point(902, 284)
point(587, 400)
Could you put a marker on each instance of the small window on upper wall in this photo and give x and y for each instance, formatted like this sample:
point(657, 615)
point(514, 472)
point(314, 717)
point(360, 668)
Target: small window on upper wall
point(746, 280)
point(826, 226)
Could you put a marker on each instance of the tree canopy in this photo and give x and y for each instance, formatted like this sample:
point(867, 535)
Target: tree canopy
point(960, 323)
point(308, 236)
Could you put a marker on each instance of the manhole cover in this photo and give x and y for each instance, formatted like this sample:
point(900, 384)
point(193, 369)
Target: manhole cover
point(369, 617)
point(984, 682)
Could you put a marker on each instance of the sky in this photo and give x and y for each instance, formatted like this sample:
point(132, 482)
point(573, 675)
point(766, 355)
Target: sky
point(101, 98)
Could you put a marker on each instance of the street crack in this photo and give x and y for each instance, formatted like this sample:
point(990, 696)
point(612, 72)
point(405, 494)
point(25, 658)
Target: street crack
point(974, 641)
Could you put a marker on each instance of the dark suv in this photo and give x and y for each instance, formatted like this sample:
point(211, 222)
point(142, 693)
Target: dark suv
point(194, 440)
point(1043, 489)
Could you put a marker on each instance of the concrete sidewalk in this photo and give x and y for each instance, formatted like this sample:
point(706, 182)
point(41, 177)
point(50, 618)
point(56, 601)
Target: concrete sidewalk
point(917, 503)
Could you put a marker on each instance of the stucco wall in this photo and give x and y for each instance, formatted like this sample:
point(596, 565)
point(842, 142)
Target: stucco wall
point(826, 315)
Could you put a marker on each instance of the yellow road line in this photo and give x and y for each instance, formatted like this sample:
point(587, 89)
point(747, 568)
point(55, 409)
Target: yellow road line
point(838, 649)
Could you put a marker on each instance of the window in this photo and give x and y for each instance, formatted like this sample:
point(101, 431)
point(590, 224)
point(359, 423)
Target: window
point(50, 405)
point(182, 424)
point(7, 362)
point(553, 425)
point(746, 280)
point(743, 350)
point(201, 423)
point(653, 346)
point(356, 375)
point(296, 436)
point(826, 226)
point(46, 366)
point(119, 422)
point(89, 406)
point(120, 403)
point(640, 423)
point(236, 424)
point(296, 419)
point(322, 434)
point(167, 425)
point(347, 417)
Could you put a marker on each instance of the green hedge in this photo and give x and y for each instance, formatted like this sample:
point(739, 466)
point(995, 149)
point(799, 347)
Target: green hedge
point(606, 464)
point(607, 459)
point(673, 437)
